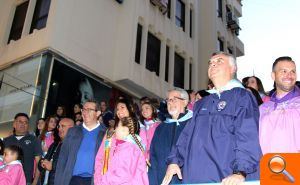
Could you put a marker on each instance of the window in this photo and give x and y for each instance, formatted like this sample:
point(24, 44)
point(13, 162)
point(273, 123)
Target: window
point(180, 14)
point(220, 45)
point(169, 8)
point(138, 44)
point(179, 71)
point(167, 64)
point(230, 50)
point(40, 15)
point(220, 8)
point(18, 22)
point(191, 23)
point(153, 54)
point(190, 76)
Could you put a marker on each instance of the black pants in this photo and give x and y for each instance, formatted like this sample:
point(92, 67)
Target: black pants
point(77, 180)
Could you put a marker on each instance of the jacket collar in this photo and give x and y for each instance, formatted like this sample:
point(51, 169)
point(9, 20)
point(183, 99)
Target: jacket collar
point(230, 85)
point(182, 117)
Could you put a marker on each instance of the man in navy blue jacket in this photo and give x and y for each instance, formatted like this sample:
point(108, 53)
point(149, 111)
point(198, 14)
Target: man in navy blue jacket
point(167, 133)
point(220, 143)
point(77, 156)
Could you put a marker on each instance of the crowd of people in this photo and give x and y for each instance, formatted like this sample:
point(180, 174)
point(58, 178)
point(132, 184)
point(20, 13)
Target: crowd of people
point(213, 135)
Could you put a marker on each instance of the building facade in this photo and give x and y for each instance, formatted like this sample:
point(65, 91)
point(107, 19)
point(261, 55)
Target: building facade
point(56, 52)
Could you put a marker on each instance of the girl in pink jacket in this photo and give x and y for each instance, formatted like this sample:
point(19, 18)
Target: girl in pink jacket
point(49, 133)
point(126, 164)
point(149, 123)
point(11, 170)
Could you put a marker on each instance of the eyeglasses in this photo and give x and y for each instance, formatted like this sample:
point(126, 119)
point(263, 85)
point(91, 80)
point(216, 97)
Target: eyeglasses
point(21, 122)
point(174, 100)
point(88, 110)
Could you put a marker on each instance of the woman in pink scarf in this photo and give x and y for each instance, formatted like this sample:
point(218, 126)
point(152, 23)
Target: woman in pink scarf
point(149, 122)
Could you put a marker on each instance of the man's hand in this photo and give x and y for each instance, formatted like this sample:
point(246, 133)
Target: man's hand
point(172, 170)
point(47, 165)
point(234, 179)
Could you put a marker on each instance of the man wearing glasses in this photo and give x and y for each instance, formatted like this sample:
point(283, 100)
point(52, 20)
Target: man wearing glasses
point(166, 134)
point(220, 143)
point(77, 156)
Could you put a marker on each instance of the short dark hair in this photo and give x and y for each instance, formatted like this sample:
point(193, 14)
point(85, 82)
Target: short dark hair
point(17, 150)
point(95, 102)
point(203, 93)
point(21, 114)
point(283, 58)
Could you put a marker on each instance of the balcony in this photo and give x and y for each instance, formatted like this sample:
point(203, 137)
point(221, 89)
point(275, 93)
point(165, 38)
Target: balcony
point(233, 23)
point(161, 4)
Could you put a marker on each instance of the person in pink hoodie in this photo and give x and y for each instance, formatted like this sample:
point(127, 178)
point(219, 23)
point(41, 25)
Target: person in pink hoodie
point(127, 163)
point(11, 170)
point(149, 122)
point(49, 133)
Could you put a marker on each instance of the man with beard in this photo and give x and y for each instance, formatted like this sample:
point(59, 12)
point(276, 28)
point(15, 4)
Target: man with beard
point(167, 133)
point(279, 118)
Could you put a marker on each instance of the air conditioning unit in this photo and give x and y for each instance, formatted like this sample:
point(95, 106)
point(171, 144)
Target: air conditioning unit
point(162, 5)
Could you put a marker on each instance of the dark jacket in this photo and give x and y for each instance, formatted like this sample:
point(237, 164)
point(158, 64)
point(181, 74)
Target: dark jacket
point(31, 147)
point(165, 136)
point(52, 154)
point(68, 153)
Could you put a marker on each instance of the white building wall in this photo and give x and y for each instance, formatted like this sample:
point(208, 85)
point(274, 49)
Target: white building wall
point(100, 36)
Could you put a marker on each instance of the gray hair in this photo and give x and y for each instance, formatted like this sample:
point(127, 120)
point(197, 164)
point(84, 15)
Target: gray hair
point(232, 59)
point(183, 94)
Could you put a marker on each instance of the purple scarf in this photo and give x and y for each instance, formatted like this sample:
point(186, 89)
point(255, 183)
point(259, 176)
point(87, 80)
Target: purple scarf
point(292, 94)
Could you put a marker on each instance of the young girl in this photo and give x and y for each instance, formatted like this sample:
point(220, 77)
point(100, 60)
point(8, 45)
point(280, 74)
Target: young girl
point(127, 164)
point(149, 123)
point(11, 171)
point(48, 136)
point(40, 124)
point(49, 133)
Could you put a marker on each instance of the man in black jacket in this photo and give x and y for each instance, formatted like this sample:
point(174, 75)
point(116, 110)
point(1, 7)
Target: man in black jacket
point(50, 160)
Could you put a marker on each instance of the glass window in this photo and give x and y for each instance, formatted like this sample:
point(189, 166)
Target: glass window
point(153, 54)
point(18, 88)
point(40, 15)
point(220, 45)
point(138, 44)
point(169, 8)
point(220, 8)
point(18, 21)
point(179, 71)
point(180, 14)
point(70, 85)
point(167, 64)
